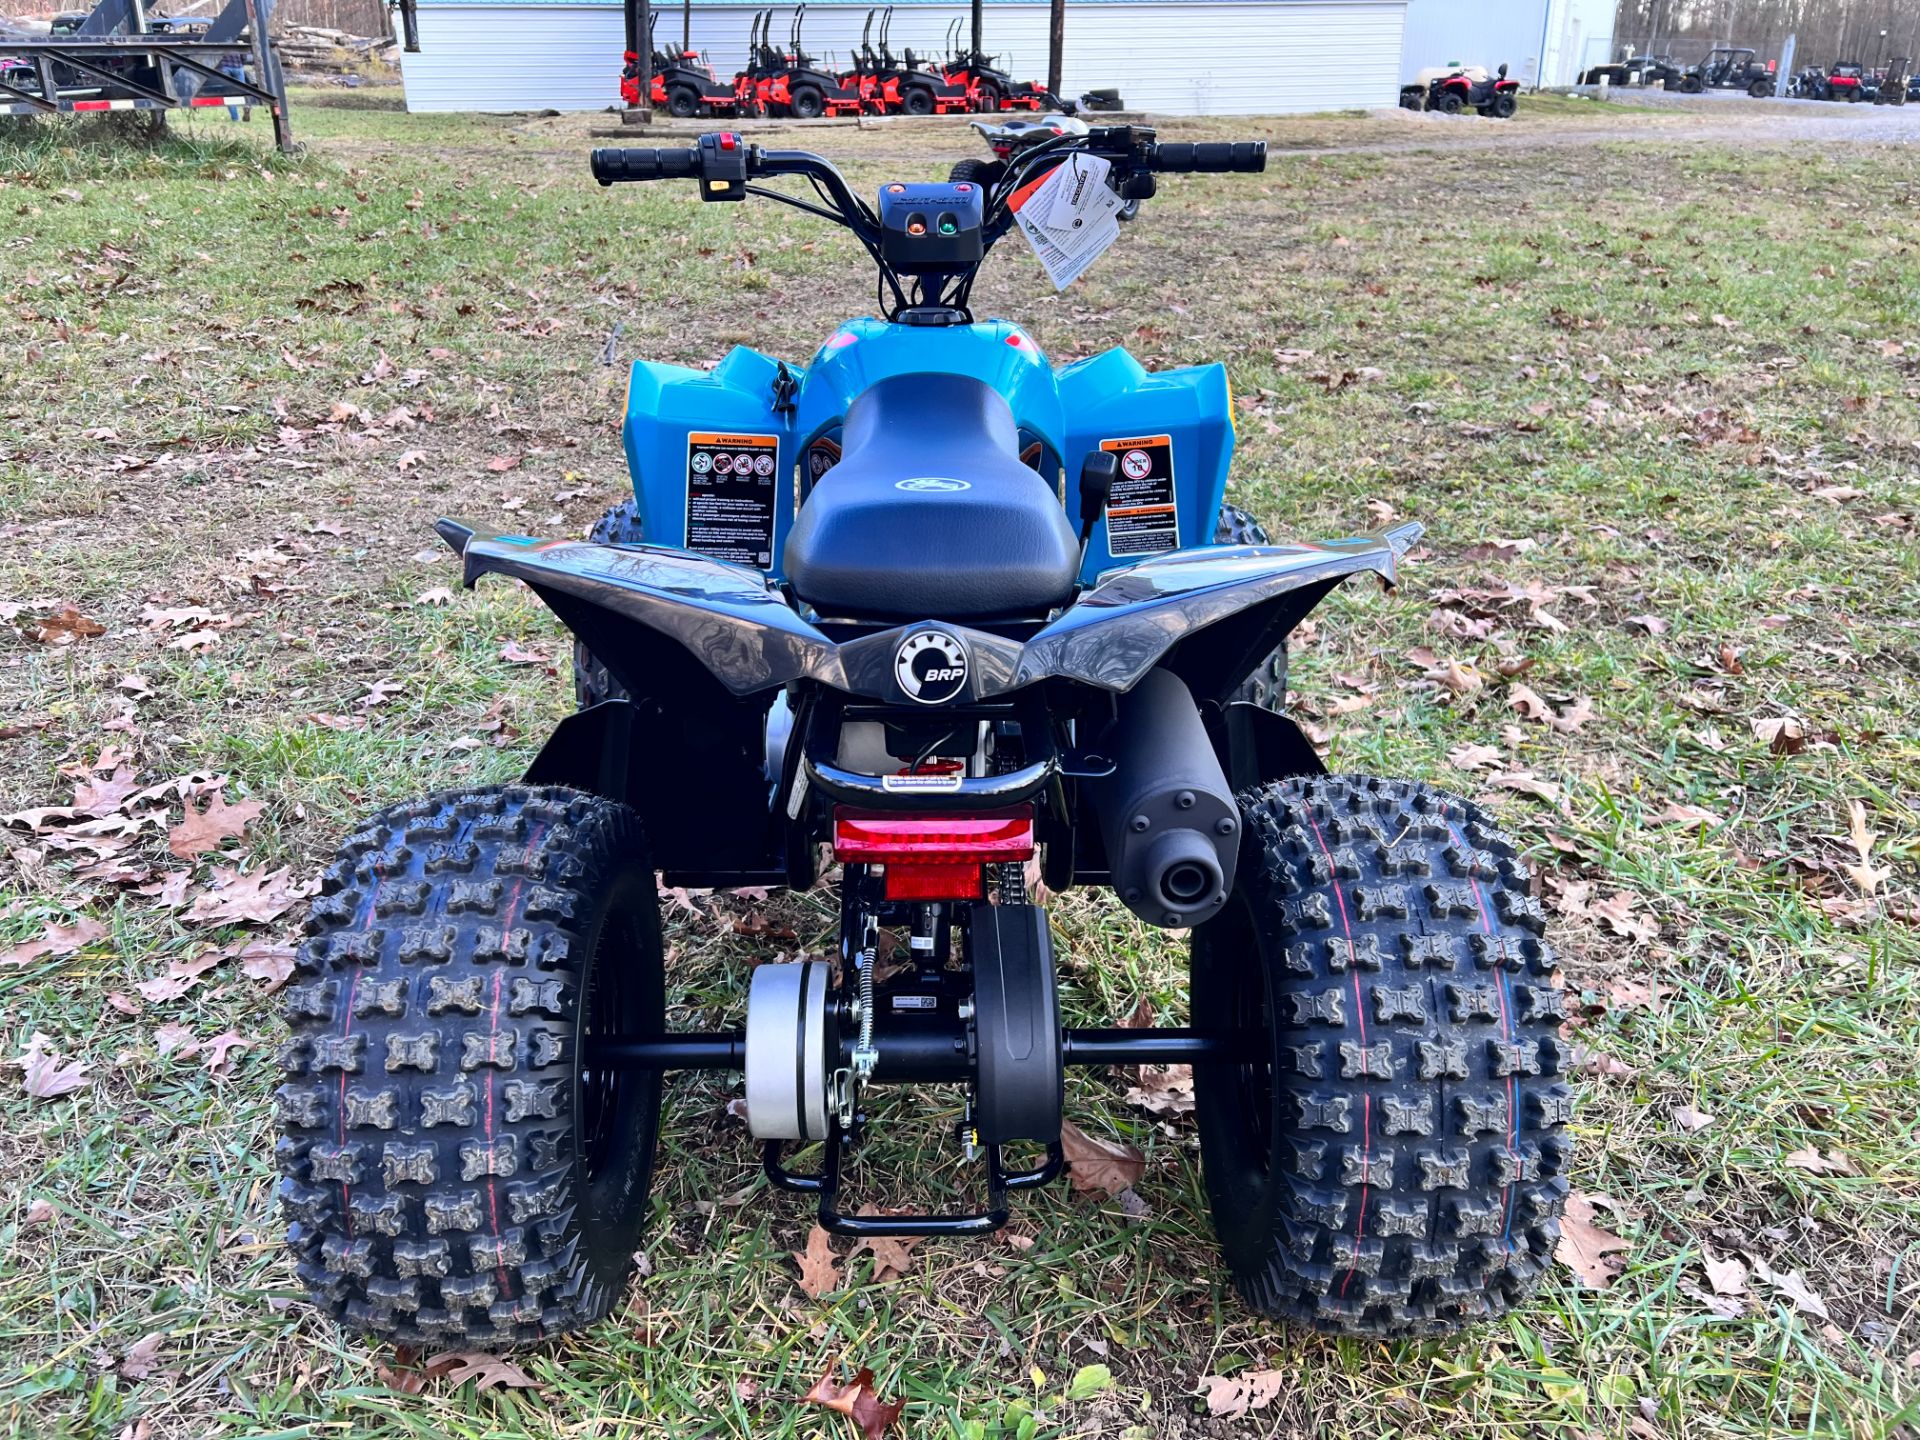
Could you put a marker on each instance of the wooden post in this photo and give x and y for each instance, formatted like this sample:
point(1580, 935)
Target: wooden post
point(979, 40)
point(1056, 43)
point(686, 26)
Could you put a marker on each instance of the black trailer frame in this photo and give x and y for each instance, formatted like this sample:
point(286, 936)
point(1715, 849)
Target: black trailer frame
point(94, 70)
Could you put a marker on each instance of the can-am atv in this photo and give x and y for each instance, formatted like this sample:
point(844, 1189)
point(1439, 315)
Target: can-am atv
point(1494, 96)
point(865, 623)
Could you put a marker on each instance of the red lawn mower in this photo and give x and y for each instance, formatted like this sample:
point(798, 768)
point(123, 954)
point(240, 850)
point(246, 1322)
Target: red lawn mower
point(1496, 97)
point(681, 86)
point(991, 89)
point(792, 84)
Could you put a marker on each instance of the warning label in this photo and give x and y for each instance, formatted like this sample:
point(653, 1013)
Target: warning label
point(730, 494)
point(1141, 517)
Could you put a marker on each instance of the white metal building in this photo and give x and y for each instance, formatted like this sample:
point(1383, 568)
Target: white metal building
point(1545, 42)
point(1174, 57)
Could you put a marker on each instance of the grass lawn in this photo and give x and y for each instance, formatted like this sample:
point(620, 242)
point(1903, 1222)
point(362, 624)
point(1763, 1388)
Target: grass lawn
point(1653, 396)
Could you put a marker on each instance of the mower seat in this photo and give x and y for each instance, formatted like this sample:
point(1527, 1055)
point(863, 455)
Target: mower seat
point(929, 513)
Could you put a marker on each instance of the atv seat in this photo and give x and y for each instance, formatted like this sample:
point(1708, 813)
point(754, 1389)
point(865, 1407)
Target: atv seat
point(929, 513)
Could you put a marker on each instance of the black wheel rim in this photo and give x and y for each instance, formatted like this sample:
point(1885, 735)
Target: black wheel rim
point(1231, 992)
point(615, 1108)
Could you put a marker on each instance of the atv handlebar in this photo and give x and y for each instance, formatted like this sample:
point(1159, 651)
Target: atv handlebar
point(619, 166)
point(1215, 157)
point(725, 167)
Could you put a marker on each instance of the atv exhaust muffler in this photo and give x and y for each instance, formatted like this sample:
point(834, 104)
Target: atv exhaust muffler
point(1166, 812)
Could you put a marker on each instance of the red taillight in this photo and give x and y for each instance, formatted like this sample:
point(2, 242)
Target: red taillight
point(932, 857)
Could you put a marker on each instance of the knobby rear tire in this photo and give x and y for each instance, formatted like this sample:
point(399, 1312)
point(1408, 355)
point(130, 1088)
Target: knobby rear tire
point(592, 682)
point(1393, 1163)
point(453, 1174)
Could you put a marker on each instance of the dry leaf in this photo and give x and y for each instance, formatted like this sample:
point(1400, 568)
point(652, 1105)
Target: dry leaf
point(1691, 1120)
point(1164, 1092)
point(1652, 624)
point(1230, 1397)
point(1692, 816)
point(143, 1356)
point(1574, 716)
point(857, 1400)
point(486, 1371)
point(55, 940)
point(219, 1051)
point(1616, 914)
point(45, 1073)
point(1793, 1285)
point(204, 830)
point(174, 1036)
point(269, 962)
point(1866, 876)
point(1727, 1277)
point(1834, 1162)
point(260, 897)
point(1526, 783)
point(514, 653)
point(1585, 1248)
point(892, 1255)
point(1095, 1164)
point(65, 626)
point(1784, 734)
point(1475, 757)
point(1531, 707)
point(819, 1266)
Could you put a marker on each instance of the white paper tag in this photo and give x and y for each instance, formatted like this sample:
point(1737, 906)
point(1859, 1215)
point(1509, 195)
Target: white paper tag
point(1069, 219)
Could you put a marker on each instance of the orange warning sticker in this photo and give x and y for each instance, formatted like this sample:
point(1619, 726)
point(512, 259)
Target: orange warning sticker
point(731, 485)
point(1142, 516)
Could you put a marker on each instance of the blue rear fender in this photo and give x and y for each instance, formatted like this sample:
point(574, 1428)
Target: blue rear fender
point(1171, 430)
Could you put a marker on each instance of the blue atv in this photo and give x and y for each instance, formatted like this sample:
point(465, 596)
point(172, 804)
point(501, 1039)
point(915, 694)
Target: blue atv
point(961, 623)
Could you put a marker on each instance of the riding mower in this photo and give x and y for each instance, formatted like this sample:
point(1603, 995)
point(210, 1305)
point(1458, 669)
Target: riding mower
point(957, 620)
point(867, 78)
point(794, 85)
point(1846, 80)
point(682, 86)
point(1494, 95)
point(926, 89)
point(988, 88)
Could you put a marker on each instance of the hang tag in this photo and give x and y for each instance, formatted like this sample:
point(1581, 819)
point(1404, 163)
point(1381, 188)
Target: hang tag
point(1069, 218)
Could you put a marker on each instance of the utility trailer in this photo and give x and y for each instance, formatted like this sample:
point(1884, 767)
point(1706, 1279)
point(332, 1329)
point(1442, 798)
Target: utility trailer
point(117, 59)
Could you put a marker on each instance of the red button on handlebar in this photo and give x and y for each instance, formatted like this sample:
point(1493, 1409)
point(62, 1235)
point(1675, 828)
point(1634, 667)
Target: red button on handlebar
point(728, 140)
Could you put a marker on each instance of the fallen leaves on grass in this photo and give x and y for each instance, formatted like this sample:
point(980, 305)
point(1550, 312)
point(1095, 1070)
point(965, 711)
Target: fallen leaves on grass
point(1617, 914)
point(205, 829)
point(892, 1255)
point(488, 1372)
point(1727, 1277)
point(1475, 757)
point(819, 1266)
point(267, 961)
point(1107, 1166)
point(1784, 734)
point(1692, 816)
point(45, 1073)
point(1793, 1285)
point(514, 653)
point(1166, 1091)
point(1526, 782)
point(259, 897)
point(55, 940)
point(63, 627)
point(1691, 1120)
point(857, 1400)
point(143, 1356)
point(1867, 876)
point(1834, 1162)
point(1230, 1397)
point(1585, 1248)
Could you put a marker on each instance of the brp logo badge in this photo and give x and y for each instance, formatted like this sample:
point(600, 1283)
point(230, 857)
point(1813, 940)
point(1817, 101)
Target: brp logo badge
point(931, 667)
point(932, 485)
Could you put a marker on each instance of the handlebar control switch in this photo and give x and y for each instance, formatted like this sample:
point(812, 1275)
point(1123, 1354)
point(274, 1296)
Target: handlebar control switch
point(932, 229)
point(723, 166)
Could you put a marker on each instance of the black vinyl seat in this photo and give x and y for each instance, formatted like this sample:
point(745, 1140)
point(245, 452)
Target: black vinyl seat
point(929, 512)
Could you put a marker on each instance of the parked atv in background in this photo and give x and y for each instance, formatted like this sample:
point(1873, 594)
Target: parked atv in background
point(1494, 95)
point(1636, 70)
point(1845, 80)
point(941, 609)
point(1008, 138)
point(1728, 69)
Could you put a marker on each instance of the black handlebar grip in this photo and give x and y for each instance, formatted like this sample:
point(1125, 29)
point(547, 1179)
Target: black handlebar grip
point(611, 166)
point(1176, 157)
